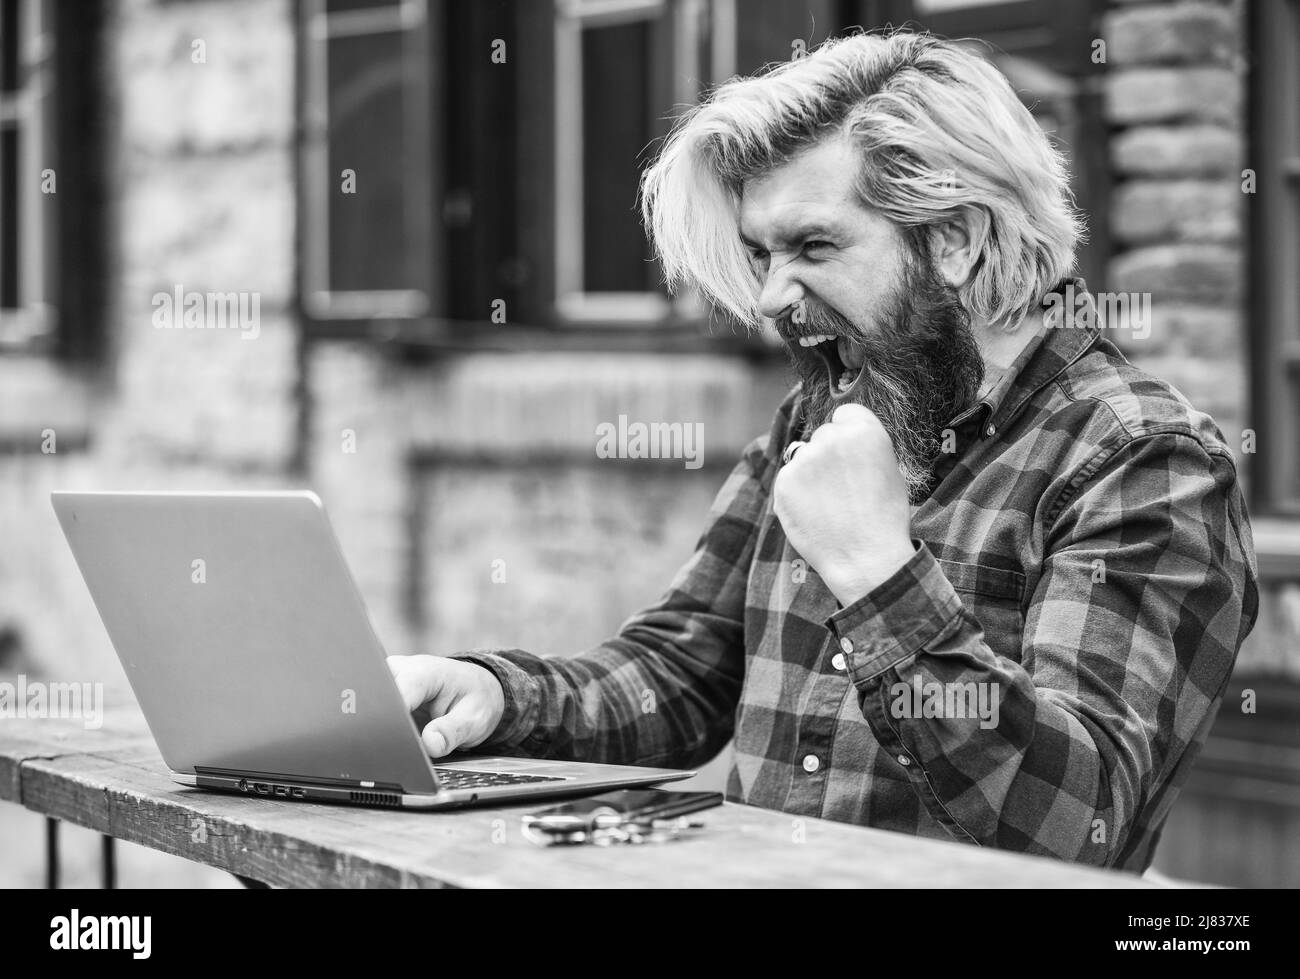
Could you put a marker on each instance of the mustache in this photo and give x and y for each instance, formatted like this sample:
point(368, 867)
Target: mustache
point(811, 318)
point(924, 336)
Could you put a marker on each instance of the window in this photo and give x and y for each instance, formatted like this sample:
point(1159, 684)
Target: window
point(496, 148)
point(367, 242)
point(616, 62)
point(26, 317)
point(1274, 255)
point(52, 192)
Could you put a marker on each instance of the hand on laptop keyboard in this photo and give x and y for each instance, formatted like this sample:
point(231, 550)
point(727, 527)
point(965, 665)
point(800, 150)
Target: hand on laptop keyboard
point(464, 700)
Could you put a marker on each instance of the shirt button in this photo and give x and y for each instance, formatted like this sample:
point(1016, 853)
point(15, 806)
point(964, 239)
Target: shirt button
point(846, 644)
point(811, 763)
point(837, 661)
point(903, 760)
point(990, 430)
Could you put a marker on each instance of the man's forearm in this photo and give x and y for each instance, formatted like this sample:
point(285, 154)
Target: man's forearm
point(635, 699)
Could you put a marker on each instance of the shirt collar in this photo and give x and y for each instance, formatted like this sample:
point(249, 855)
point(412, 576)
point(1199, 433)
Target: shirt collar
point(1068, 328)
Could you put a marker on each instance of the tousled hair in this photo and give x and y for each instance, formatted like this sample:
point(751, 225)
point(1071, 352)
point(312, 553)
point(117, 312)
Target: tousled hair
point(940, 134)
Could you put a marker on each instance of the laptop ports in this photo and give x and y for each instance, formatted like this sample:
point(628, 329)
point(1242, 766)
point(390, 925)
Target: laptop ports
point(280, 790)
point(298, 793)
point(261, 788)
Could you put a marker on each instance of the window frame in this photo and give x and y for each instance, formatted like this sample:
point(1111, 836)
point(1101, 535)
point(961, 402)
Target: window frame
point(1273, 242)
point(30, 326)
point(63, 236)
point(339, 312)
point(574, 304)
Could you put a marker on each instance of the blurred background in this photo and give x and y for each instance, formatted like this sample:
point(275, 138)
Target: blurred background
point(433, 203)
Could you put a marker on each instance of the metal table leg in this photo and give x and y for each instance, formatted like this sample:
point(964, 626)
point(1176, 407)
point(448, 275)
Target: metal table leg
point(110, 862)
point(51, 853)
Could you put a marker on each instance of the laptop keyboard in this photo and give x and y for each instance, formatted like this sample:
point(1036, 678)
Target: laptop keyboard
point(460, 778)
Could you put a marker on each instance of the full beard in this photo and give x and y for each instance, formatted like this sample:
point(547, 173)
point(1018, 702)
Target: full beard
point(921, 368)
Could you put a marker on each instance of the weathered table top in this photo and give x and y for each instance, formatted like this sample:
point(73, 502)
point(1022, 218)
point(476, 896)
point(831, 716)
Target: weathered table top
point(113, 780)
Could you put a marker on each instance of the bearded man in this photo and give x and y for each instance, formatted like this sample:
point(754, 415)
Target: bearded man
point(984, 580)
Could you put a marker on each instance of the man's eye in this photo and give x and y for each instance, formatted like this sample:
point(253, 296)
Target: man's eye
point(812, 246)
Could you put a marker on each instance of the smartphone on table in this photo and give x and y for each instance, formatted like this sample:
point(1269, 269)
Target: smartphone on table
point(631, 808)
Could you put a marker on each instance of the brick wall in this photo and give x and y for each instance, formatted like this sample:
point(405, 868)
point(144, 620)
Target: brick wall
point(452, 466)
point(1174, 92)
point(201, 165)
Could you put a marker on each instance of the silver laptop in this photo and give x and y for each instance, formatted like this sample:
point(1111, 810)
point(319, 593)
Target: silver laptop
point(248, 647)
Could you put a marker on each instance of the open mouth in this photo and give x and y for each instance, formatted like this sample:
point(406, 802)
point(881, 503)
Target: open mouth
point(845, 361)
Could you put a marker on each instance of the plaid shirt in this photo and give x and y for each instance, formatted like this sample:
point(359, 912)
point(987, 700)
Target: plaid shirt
point(1084, 556)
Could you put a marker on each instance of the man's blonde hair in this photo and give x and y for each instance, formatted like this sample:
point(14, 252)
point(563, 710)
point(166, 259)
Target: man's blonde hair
point(941, 136)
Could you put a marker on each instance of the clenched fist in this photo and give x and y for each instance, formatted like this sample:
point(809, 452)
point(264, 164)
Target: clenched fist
point(843, 504)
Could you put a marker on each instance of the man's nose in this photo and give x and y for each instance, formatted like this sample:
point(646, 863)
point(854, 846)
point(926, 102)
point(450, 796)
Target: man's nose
point(781, 290)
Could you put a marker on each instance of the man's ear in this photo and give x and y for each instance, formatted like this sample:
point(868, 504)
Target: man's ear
point(950, 248)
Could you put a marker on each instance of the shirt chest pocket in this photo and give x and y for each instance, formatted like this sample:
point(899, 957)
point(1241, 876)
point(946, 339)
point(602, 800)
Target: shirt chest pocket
point(994, 596)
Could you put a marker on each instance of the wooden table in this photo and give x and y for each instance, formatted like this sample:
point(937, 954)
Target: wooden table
point(113, 781)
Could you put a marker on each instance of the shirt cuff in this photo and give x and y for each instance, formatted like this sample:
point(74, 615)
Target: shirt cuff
point(522, 710)
point(912, 608)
